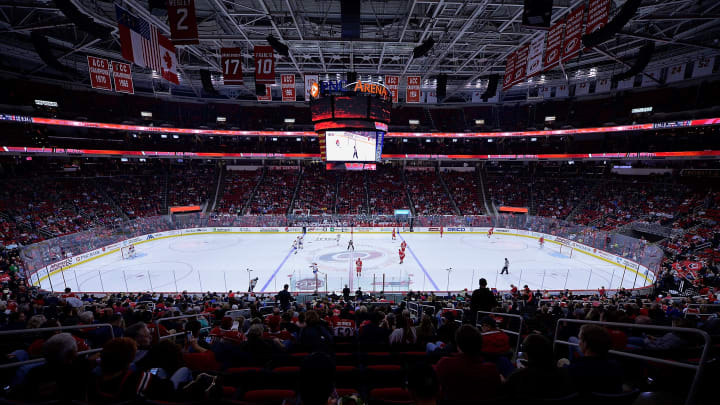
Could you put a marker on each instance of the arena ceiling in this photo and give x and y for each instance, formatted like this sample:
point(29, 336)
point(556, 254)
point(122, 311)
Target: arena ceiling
point(472, 38)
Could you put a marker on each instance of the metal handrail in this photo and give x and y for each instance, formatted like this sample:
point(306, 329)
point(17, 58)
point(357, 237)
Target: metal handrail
point(157, 325)
point(52, 329)
point(512, 332)
point(698, 368)
point(413, 311)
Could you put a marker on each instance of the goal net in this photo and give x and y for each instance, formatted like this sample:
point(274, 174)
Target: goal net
point(562, 249)
point(127, 251)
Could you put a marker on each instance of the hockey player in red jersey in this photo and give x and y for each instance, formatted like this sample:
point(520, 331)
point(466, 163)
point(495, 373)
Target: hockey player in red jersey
point(358, 267)
point(403, 245)
point(541, 241)
point(490, 232)
point(441, 231)
point(393, 234)
point(401, 252)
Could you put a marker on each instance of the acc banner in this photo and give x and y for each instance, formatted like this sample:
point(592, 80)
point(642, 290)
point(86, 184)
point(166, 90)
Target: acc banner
point(597, 15)
point(99, 73)
point(535, 56)
point(122, 76)
point(231, 61)
point(183, 24)
point(553, 49)
point(521, 57)
point(309, 81)
point(573, 33)
point(287, 84)
point(508, 79)
point(412, 92)
point(264, 64)
point(267, 96)
point(393, 83)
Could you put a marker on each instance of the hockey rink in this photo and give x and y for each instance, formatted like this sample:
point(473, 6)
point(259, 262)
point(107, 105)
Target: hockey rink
point(220, 262)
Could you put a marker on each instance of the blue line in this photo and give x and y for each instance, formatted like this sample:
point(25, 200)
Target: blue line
point(420, 264)
point(278, 269)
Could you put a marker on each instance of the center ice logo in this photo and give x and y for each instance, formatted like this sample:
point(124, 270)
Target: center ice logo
point(308, 284)
point(345, 256)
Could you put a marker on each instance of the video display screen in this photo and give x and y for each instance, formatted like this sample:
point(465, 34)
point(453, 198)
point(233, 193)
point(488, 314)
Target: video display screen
point(349, 146)
point(321, 109)
point(351, 107)
point(380, 109)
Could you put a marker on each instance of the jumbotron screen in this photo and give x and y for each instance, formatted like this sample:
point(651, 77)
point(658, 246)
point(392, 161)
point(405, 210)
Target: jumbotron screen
point(353, 146)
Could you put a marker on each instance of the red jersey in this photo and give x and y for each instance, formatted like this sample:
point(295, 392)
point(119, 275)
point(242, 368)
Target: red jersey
point(358, 264)
point(401, 253)
point(403, 245)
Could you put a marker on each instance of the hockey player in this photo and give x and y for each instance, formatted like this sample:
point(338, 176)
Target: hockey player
point(490, 232)
point(355, 154)
point(295, 245)
point(403, 245)
point(393, 234)
point(401, 253)
point(253, 283)
point(315, 271)
point(300, 242)
point(541, 241)
point(350, 245)
point(358, 267)
point(505, 267)
point(338, 240)
point(441, 231)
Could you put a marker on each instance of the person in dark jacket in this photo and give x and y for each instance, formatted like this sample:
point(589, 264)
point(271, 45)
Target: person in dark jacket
point(482, 300)
point(285, 298)
point(315, 334)
point(595, 371)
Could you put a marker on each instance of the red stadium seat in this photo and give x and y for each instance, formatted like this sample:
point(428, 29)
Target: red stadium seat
point(267, 396)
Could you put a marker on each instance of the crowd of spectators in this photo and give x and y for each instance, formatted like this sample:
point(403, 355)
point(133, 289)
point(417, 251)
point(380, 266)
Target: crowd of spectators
point(352, 194)
point(317, 191)
point(465, 191)
point(275, 192)
point(427, 192)
point(190, 185)
point(238, 186)
point(386, 190)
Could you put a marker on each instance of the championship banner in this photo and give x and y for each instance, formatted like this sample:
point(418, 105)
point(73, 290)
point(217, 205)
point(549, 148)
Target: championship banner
point(573, 33)
point(602, 86)
point(183, 24)
point(703, 66)
point(509, 77)
point(598, 11)
point(287, 85)
point(562, 91)
point(521, 57)
point(264, 64)
point(626, 84)
point(99, 73)
point(535, 57)
point(267, 96)
point(554, 44)
point(675, 73)
point(122, 76)
point(582, 89)
point(309, 81)
point(393, 84)
point(231, 61)
point(412, 92)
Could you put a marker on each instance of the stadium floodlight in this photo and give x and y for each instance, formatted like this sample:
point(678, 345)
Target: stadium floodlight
point(274, 139)
point(550, 118)
point(533, 139)
point(176, 136)
point(123, 159)
point(289, 120)
point(134, 135)
point(454, 140)
point(143, 160)
point(414, 122)
point(298, 139)
point(428, 140)
point(163, 136)
point(479, 122)
point(221, 119)
point(146, 114)
point(571, 162)
point(404, 140)
point(490, 140)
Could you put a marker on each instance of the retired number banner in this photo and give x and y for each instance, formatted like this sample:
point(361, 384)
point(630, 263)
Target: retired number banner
point(535, 57)
point(573, 33)
point(598, 11)
point(393, 83)
point(99, 73)
point(122, 76)
point(287, 85)
point(521, 57)
point(264, 64)
point(412, 93)
point(183, 24)
point(231, 61)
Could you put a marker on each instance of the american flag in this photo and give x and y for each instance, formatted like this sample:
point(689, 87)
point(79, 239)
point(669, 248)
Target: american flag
point(138, 40)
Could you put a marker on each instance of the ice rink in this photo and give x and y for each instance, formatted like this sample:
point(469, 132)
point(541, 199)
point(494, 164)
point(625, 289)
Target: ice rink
point(220, 262)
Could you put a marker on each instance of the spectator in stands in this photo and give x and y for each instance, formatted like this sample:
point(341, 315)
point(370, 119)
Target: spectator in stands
point(373, 333)
point(467, 374)
point(426, 331)
point(57, 377)
point(405, 332)
point(540, 378)
point(164, 360)
point(482, 300)
point(315, 334)
point(285, 298)
point(140, 333)
point(594, 371)
point(117, 382)
point(495, 341)
point(316, 383)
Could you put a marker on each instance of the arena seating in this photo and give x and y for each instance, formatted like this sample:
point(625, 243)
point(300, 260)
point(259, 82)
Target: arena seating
point(465, 191)
point(427, 193)
point(237, 188)
point(275, 192)
point(386, 190)
point(352, 194)
point(316, 194)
